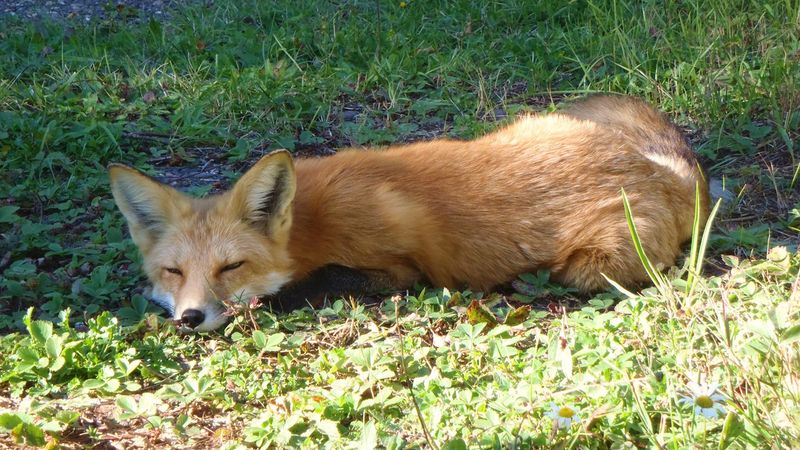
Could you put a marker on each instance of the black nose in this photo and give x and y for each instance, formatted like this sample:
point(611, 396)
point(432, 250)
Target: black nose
point(192, 317)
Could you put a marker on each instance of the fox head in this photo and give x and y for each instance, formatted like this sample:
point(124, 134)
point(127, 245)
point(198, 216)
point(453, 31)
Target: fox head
point(199, 251)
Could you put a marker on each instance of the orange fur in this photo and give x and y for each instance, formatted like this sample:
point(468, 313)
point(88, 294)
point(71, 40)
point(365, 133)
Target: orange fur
point(542, 193)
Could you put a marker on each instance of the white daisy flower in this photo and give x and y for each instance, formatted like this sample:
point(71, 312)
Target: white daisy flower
point(563, 416)
point(705, 399)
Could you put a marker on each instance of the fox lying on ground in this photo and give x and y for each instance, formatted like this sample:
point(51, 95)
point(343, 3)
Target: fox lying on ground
point(542, 193)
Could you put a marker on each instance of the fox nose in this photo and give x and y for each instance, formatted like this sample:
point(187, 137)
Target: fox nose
point(192, 317)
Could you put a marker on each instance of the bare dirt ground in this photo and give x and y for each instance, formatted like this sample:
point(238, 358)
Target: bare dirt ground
point(86, 10)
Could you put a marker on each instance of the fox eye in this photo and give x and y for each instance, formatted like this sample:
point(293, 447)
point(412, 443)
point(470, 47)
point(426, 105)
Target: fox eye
point(174, 270)
point(232, 266)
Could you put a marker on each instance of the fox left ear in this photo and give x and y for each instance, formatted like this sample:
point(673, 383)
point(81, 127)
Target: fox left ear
point(264, 194)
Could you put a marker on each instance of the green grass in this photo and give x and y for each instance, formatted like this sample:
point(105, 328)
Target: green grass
point(219, 85)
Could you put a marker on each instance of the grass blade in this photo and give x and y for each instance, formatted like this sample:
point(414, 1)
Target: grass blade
point(696, 264)
point(695, 242)
point(654, 275)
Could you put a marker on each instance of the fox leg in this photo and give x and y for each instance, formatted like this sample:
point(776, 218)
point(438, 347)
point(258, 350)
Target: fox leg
point(586, 266)
point(334, 280)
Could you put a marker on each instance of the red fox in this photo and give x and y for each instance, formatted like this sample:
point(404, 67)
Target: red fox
point(541, 193)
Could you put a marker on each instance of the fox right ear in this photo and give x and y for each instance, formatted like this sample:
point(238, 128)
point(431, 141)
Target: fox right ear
point(146, 204)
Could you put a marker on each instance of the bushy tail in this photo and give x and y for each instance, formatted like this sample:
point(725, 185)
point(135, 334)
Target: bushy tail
point(661, 141)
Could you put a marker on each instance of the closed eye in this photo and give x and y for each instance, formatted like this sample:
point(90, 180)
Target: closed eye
point(173, 270)
point(232, 266)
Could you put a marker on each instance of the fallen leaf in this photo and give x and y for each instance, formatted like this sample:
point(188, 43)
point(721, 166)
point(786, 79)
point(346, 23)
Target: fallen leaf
point(477, 312)
point(517, 316)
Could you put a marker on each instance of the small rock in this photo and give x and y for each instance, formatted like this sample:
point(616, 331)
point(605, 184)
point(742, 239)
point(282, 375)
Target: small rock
point(85, 268)
point(76, 286)
point(718, 191)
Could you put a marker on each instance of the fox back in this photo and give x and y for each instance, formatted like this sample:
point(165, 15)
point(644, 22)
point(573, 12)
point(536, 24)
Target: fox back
point(542, 193)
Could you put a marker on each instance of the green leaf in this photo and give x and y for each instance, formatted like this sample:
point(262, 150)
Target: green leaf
point(369, 436)
point(9, 421)
point(113, 235)
point(329, 428)
point(127, 404)
point(455, 444)
point(731, 429)
point(537, 279)
point(112, 385)
point(53, 346)
point(93, 383)
point(790, 335)
point(40, 330)
point(273, 343)
point(67, 417)
point(259, 339)
point(28, 358)
point(139, 304)
point(51, 426)
point(499, 350)
point(267, 343)
point(7, 214)
point(155, 421)
point(57, 364)
point(32, 434)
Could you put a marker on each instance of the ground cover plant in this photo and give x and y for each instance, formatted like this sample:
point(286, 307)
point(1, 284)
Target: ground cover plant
point(703, 360)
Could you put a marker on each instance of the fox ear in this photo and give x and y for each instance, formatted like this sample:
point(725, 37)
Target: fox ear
point(146, 204)
point(264, 194)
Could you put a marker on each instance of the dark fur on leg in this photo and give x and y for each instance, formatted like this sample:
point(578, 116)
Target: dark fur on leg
point(333, 281)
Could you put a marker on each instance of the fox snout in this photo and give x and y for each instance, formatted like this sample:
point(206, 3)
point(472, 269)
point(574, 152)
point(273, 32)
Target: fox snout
point(205, 319)
point(202, 318)
point(193, 318)
point(204, 314)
